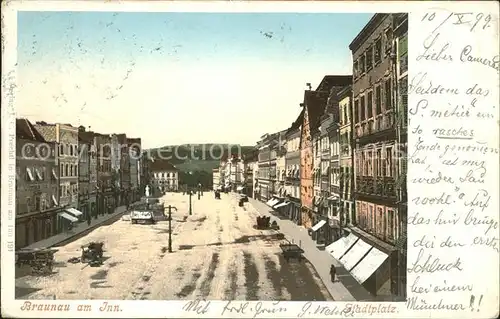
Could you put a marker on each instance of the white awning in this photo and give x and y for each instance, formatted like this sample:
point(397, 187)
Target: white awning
point(30, 174)
point(38, 174)
point(338, 248)
point(54, 173)
point(239, 188)
point(273, 202)
point(369, 265)
point(268, 203)
point(54, 200)
point(320, 224)
point(334, 197)
point(354, 255)
point(68, 217)
point(74, 212)
point(282, 204)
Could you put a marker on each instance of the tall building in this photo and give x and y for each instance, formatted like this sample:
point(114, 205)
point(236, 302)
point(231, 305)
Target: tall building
point(85, 141)
point(378, 222)
point(134, 145)
point(66, 138)
point(401, 83)
point(267, 165)
point(37, 183)
point(215, 178)
point(250, 160)
point(105, 196)
point(346, 145)
point(165, 177)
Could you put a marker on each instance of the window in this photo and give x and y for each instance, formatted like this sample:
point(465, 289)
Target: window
point(380, 222)
point(388, 94)
point(362, 109)
point(361, 64)
point(370, 218)
point(344, 113)
point(377, 163)
point(369, 58)
point(355, 69)
point(403, 99)
point(388, 40)
point(28, 204)
point(378, 50)
point(378, 100)
point(390, 224)
point(403, 54)
point(388, 161)
point(370, 105)
point(369, 162)
point(70, 150)
point(352, 116)
point(66, 170)
point(37, 203)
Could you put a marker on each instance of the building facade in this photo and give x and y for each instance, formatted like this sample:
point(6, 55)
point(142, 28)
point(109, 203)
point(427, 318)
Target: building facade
point(85, 142)
point(250, 160)
point(215, 178)
point(292, 166)
point(268, 146)
point(165, 176)
point(106, 194)
point(116, 169)
point(37, 185)
point(377, 220)
point(134, 145)
point(401, 69)
point(346, 144)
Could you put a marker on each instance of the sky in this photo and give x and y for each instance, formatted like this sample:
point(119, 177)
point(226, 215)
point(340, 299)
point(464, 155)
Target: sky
point(177, 78)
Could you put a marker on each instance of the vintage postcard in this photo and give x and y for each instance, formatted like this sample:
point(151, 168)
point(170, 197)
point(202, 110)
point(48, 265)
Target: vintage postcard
point(250, 159)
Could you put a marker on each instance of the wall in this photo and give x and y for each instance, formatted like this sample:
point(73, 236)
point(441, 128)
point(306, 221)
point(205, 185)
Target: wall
point(67, 138)
point(306, 171)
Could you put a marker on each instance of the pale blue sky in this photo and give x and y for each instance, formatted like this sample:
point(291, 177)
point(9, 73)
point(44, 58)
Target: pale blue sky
point(174, 78)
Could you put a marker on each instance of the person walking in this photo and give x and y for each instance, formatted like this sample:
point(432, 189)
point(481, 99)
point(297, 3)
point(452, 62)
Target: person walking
point(333, 272)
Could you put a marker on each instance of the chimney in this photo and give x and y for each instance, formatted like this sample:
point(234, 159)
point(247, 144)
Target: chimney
point(308, 86)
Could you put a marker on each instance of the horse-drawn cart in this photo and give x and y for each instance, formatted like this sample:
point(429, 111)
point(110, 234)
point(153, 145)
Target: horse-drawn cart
point(92, 253)
point(290, 251)
point(40, 260)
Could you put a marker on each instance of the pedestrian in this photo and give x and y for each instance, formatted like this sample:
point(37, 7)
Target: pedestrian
point(333, 271)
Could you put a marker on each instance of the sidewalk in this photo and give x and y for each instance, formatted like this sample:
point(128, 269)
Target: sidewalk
point(77, 229)
point(346, 288)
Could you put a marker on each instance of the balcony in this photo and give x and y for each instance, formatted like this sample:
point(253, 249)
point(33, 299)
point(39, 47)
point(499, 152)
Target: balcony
point(380, 123)
point(376, 186)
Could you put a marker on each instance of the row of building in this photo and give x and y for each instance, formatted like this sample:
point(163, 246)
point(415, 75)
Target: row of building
point(339, 170)
point(66, 175)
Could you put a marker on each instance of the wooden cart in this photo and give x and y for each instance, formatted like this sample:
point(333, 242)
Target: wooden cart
point(40, 260)
point(291, 251)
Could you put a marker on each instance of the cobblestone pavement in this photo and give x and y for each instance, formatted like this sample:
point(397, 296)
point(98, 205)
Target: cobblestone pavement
point(217, 254)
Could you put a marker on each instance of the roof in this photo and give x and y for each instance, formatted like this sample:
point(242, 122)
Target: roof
point(161, 166)
point(297, 123)
point(86, 137)
point(27, 131)
point(48, 131)
point(367, 30)
point(330, 81)
point(315, 103)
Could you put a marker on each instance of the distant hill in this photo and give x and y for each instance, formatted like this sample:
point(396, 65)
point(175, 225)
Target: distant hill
point(196, 157)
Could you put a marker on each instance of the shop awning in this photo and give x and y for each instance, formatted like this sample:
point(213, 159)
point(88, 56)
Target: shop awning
point(54, 200)
point(338, 248)
point(30, 174)
point(74, 212)
point(369, 265)
point(268, 203)
point(334, 197)
point(54, 173)
point(354, 255)
point(274, 201)
point(68, 217)
point(282, 204)
point(320, 224)
point(239, 188)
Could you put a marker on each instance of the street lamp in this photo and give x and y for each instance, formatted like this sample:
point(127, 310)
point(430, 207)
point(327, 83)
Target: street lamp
point(169, 207)
point(190, 203)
